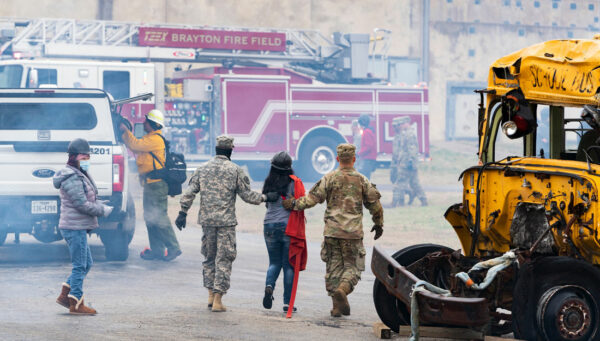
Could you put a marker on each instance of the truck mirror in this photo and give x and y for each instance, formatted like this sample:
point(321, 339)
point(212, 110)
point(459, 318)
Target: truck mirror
point(138, 130)
point(32, 82)
point(518, 120)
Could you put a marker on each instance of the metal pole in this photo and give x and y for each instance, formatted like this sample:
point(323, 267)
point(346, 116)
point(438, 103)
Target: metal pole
point(425, 43)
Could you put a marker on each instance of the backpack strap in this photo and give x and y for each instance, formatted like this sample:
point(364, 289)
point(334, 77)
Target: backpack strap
point(155, 158)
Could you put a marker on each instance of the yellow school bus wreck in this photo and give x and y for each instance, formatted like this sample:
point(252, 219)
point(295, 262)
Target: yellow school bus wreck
point(529, 218)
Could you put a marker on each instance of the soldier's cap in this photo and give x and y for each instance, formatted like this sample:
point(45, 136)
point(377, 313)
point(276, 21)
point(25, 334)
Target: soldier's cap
point(400, 120)
point(225, 142)
point(346, 151)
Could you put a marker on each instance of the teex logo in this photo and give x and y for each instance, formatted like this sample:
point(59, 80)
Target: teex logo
point(155, 36)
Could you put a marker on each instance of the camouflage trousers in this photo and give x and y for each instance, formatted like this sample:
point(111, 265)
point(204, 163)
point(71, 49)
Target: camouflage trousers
point(344, 259)
point(219, 251)
point(407, 183)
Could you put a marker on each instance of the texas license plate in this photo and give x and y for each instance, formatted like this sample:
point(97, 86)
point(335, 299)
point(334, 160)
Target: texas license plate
point(44, 207)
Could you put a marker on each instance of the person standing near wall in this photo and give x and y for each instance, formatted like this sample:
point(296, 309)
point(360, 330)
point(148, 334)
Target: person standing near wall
point(218, 182)
point(346, 192)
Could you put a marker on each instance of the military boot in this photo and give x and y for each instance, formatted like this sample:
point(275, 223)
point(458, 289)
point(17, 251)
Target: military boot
point(335, 311)
point(63, 298)
point(340, 295)
point(211, 298)
point(77, 307)
point(217, 305)
point(423, 201)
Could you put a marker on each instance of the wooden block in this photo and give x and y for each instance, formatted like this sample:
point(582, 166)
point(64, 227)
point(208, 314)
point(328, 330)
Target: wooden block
point(382, 331)
point(444, 333)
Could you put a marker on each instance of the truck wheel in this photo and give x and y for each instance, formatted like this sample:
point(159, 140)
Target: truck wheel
point(560, 300)
point(3, 235)
point(317, 158)
point(129, 220)
point(393, 312)
point(116, 244)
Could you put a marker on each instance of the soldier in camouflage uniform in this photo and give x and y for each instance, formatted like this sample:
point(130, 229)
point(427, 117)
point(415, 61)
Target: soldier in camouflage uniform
point(346, 191)
point(218, 182)
point(403, 171)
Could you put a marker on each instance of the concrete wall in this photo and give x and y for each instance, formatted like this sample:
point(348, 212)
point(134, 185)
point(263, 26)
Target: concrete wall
point(466, 36)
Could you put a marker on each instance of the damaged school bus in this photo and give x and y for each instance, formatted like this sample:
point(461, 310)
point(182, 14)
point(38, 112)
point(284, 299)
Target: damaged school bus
point(529, 219)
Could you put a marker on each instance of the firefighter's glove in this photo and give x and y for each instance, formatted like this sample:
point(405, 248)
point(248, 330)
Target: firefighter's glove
point(393, 174)
point(272, 197)
point(180, 221)
point(378, 231)
point(107, 210)
point(289, 203)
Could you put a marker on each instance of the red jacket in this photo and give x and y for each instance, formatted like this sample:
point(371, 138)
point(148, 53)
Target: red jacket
point(295, 229)
point(368, 145)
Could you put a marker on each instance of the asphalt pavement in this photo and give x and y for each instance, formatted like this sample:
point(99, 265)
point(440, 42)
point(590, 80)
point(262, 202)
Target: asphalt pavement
point(156, 300)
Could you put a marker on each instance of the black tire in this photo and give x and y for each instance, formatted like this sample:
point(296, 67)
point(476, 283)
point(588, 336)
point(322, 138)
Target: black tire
point(393, 312)
point(116, 242)
point(116, 245)
point(552, 287)
point(317, 157)
point(3, 235)
point(128, 222)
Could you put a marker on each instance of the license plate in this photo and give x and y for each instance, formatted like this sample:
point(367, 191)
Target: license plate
point(44, 207)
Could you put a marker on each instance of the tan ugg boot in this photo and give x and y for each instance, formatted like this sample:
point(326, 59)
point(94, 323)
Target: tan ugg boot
point(335, 311)
point(340, 296)
point(211, 298)
point(63, 298)
point(217, 305)
point(77, 307)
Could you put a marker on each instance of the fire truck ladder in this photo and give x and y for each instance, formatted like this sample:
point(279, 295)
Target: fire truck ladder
point(119, 40)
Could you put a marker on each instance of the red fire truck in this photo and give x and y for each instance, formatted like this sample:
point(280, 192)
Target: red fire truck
point(273, 90)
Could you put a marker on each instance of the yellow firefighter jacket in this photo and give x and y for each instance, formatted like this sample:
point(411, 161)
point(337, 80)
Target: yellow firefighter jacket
point(142, 147)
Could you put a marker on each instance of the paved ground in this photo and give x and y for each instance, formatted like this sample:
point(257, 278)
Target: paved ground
point(164, 301)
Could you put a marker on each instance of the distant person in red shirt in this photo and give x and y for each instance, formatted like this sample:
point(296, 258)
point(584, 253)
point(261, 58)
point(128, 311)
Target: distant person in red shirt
point(367, 154)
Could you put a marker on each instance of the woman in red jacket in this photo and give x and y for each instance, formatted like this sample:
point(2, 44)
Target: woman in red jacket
point(275, 223)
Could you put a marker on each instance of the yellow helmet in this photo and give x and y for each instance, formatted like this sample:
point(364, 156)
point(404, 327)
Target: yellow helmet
point(156, 116)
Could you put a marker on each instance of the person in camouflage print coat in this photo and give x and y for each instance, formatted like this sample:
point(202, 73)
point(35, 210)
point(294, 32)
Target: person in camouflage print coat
point(403, 170)
point(218, 182)
point(346, 191)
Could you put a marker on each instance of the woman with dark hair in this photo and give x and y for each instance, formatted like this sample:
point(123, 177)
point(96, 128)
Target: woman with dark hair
point(79, 212)
point(275, 223)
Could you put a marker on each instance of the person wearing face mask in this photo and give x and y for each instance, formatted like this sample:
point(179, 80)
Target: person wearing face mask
point(79, 212)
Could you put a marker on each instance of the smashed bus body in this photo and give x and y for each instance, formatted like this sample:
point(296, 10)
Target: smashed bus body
point(528, 221)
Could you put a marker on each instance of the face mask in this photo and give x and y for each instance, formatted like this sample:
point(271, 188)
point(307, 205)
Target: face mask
point(84, 165)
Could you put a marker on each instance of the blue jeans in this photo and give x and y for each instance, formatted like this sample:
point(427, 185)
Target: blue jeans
point(81, 258)
point(278, 246)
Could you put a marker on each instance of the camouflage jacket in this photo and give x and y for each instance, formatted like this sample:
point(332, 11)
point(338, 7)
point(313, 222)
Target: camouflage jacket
point(346, 191)
point(405, 151)
point(218, 181)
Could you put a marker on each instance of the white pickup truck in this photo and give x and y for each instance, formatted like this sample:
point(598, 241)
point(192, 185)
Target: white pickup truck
point(36, 125)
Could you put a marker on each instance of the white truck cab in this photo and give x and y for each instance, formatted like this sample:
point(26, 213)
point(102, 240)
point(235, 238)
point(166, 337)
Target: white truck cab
point(36, 126)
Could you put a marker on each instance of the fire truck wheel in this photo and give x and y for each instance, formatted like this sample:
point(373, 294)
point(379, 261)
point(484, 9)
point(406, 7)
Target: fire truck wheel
point(317, 158)
point(3, 235)
point(558, 300)
point(393, 312)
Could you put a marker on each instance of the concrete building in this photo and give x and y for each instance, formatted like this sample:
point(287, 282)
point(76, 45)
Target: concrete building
point(448, 43)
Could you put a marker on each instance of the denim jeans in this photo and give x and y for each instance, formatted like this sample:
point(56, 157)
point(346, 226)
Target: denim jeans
point(81, 258)
point(278, 246)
